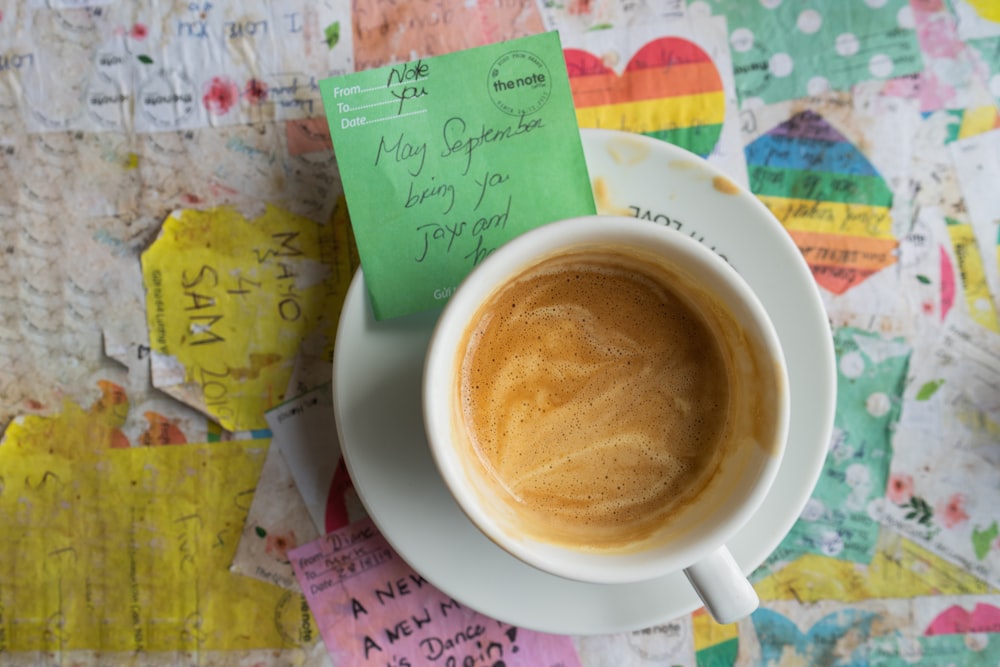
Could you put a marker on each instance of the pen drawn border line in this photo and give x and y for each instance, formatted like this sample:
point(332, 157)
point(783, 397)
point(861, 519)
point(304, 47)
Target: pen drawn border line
point(370, 106)
point(375, 89)
point(341, 574)
point(329, 570)
point(402, 115)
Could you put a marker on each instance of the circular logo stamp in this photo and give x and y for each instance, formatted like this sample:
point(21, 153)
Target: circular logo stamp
point(519, 83)
point(167, 99)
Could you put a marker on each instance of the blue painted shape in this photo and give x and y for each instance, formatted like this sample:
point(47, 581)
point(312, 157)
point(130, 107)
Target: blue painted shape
point(787, 152)
point(776, 634)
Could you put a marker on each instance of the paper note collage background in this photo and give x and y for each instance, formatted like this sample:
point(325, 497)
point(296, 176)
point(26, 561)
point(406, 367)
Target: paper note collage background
point(175, 250)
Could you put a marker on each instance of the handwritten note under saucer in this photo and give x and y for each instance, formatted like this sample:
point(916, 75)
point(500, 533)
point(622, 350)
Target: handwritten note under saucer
point(445, 159)
point(373, 609)
point(305, 432)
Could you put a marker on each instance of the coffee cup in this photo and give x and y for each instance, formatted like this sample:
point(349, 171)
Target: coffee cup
point(606, 399)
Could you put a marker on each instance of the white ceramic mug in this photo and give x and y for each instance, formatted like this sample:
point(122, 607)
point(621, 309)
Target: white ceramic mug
point(694, 537)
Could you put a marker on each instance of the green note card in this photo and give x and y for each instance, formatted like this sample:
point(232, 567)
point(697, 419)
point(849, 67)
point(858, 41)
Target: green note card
point(445, 159)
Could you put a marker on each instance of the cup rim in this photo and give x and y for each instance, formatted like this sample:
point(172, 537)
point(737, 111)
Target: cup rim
point(516, 255)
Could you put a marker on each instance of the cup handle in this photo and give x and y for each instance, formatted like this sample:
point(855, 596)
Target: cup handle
point(722, 587)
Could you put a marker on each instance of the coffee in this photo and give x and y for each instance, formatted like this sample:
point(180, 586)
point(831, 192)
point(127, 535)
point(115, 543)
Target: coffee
point(595, 391)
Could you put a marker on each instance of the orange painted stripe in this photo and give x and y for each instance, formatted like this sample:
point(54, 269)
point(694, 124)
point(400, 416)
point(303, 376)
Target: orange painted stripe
point(669, 113)
point(839, 279)
point(645, 84)
point(859, 252)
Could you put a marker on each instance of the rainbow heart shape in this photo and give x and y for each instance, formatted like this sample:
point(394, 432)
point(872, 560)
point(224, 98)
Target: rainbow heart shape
point(670, 90)
point(829, 197)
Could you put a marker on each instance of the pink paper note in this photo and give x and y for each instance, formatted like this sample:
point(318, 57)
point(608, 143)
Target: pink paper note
point(956, 620)
point(374, 610)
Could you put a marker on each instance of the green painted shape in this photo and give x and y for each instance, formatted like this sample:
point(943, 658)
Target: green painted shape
point(819, 185)
point(332, 34)
point(982, 540)
point(722, 654)
point(928, 390)
point(700, 140)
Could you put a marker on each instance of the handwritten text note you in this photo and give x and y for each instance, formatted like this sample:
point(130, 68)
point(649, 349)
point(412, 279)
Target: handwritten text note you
point(373, 609)
point(445, 159)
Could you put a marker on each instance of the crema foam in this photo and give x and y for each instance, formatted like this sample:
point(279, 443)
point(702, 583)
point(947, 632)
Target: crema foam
point(595, 394)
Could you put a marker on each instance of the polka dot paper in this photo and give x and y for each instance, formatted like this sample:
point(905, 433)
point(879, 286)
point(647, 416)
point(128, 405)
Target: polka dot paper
point(986, 53)
point(778, 45)
point(871, 373)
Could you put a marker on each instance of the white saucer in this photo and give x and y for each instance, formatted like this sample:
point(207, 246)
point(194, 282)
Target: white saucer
point(376, 386)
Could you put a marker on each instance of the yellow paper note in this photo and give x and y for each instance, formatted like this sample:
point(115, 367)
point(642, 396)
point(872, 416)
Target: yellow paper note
point(978, 120)
point(229, 302)
point(899, 569)
point(129, 549)
point(708, 633)
point(973, 275)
